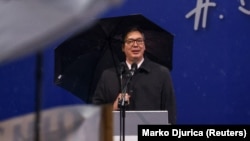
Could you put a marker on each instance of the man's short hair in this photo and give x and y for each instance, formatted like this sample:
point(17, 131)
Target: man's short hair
point(131, 29)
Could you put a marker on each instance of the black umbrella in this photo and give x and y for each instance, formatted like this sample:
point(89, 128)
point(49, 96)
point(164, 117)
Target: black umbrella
point(80, 60)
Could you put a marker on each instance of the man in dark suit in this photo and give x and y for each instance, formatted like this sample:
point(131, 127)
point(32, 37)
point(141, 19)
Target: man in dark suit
point(150, 86)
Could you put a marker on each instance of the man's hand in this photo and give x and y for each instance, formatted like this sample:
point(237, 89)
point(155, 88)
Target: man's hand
point(120, 97)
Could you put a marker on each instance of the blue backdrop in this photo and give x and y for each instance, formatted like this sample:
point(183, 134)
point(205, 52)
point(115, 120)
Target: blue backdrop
point(210, 62)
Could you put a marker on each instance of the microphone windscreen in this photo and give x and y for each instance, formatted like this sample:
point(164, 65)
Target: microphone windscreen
point(122, 67)
point(134, 67)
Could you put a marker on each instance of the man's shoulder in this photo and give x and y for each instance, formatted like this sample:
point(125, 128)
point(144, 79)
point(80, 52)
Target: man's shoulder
point(156, 66)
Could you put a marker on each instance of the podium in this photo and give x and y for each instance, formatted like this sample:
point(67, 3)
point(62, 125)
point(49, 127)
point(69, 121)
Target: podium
point(135, 118)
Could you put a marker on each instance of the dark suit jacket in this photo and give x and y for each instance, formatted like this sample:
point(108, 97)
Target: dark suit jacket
point(150, 89)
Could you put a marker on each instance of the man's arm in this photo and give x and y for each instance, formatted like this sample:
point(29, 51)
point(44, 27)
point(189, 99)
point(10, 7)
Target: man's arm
point(169, 97)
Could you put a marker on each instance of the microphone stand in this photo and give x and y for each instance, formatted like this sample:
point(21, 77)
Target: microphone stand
point(122, 106)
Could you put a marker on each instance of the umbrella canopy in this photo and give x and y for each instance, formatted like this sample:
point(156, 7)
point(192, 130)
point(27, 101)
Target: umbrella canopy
point(80, 60)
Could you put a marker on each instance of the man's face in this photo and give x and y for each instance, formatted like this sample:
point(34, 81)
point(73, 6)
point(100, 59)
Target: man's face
point(134, 46)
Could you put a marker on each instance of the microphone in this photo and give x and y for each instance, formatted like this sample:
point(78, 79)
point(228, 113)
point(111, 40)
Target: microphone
point(129, 76)
point(133, 68)
point(121, 68)
point(121, 71)
point(122, 101)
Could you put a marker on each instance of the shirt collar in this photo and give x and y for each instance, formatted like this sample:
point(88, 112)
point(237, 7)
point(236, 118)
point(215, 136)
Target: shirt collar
point(138, 65)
